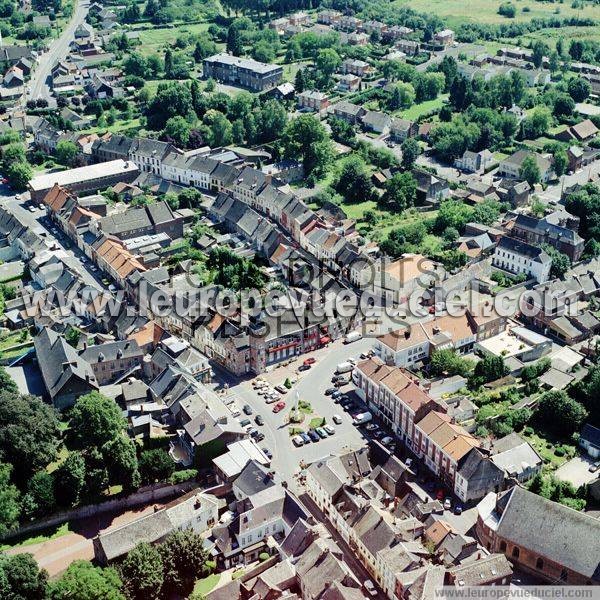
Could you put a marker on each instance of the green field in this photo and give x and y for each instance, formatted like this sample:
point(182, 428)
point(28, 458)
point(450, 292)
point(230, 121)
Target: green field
point(549, 36)
point(152, 40)
point(456, 12)
point(206, 584)
point(417, 110)
point(49, 534)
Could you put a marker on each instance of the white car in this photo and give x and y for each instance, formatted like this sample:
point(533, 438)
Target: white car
point(387, 440)
point(447, 504)
point(370, 587)
point(337, 419)
point(236, 412)
point(297, 441)
point(329, 429)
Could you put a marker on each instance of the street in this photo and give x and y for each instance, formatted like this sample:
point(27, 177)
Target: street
point(59, 49)
point(38, 222)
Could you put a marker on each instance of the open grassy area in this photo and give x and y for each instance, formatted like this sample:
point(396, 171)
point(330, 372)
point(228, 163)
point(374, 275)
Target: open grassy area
point(316, 422)
point(49, 534)
point(206, 584)
point(417, 110)
point(549, 36)
point(546, 448)
point(456, 12)
point(152, 40)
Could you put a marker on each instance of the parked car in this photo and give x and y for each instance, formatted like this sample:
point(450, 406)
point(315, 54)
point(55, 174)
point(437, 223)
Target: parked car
point(313, 435)
point(458, 509)
point(259, 420)
point(245, 422)
point(235, 412)
point(594, 467)
point(370, 587)
point(329, 429)
point(321, 432)
point(331, 391)
point(305, 437)
point(447, 504)
point(278, 407)
point(281, 389)
point(337, 419)
point(297, 441)
point(267, 453)
point(303, 367)
point(439, 495)
point(371, 426)
point(336, 394)
point(309, 361)
point(387, 440)
point(247, 409)
point(270, 399)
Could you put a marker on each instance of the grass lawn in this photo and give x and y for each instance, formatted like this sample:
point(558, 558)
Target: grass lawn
point(456, 12)
point(14, 338)
point(290, 70)
point(152, 40)
point(549, 36)
point(152, 84)
point(49, 534)
point(206, 584)
point(546, 449)
point(415, 111)
point(316, 422)
point(357, 211)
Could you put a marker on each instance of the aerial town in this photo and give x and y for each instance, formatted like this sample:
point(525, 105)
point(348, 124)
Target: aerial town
point(299, 300)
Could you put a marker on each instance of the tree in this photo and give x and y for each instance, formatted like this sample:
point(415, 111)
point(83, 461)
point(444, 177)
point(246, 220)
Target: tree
point(66, 152)
point(410, 152)
point(40, 499)
point(121, 460)
point(7, 383)
point(29, 434)
point(307, 138)
point(70, 480)
point(96, 420)
point(563, 105)
point(155, 465)
point(220, 129)
point(560, 414)
point(354, 182)
point(136, 64)
point(10, 506)
point(579, 89)
point(183, 556)
point(19, 174)
point(400, 191)
point(489, 369)
point(14, 152)
point(234, 40)
point(403, 96)
point(561, 162)
point(326, 63)
point(177, 130)
point(539, 51)
point(537, 123)
point(171, 100)
point(487, 212)
point(262, 51)
point(142, 573)
point(204, 48)
point(83, 581)
point(299, 81)
point(508, 10)
point(21, 578)
point(448, 362)
point(453, 213)
point(529, 171)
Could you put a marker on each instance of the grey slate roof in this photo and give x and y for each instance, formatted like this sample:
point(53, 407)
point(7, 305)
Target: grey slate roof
point(549, 529)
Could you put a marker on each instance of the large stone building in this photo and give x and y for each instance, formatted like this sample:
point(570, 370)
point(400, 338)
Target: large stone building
point(242, 72)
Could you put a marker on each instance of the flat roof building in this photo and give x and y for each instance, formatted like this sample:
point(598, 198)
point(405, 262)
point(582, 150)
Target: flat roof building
point(91, 178)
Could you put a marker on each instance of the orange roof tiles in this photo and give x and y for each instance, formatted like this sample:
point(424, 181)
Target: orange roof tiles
point(437, 532)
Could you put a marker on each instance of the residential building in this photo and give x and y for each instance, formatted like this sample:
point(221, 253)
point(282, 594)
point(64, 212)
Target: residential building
point(313, 100)
point(474, 162)
point(376, 121)
point(511, 166)
point(490, 570)
point(148, 154)
point(477, 476)
point(537, 232)
point(111, 361)
point(519, 257)
point(354, 66)
point(444, 37)
point(243, 72)
point(401, 129)
point(516, 457)
point(65, 374)
point(348, 111)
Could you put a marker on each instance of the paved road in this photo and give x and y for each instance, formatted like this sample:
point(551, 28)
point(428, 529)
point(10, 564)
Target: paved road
point(553, 192)
point(38, 222)
point(59, 49)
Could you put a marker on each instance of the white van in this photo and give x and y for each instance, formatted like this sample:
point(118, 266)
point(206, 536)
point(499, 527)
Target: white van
point(344, 367)
point(354, 336)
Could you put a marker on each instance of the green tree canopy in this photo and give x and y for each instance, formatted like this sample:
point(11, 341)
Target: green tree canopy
point(95, 420)
point(142, 573)
point(83, 581)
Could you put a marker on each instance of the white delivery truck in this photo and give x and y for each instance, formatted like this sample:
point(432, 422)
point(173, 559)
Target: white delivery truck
point(353, 336)
point(362, 418)
point(344, 367)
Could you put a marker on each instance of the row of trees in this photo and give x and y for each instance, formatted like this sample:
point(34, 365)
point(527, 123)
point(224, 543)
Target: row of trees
point(147, 573)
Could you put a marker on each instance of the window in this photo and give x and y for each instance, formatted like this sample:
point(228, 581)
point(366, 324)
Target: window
point(502, 546)
point(515, 552)
point(539, 564)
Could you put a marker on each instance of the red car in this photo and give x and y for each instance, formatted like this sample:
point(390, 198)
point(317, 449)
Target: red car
point(279, 406)
point(310, 361)
point(440, 495)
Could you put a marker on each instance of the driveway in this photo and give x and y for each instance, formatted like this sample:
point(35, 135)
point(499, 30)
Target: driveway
point(576, 471)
